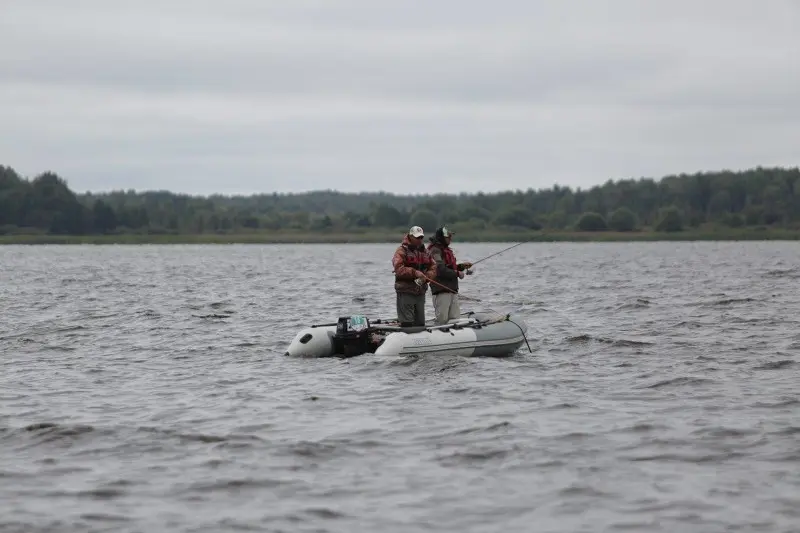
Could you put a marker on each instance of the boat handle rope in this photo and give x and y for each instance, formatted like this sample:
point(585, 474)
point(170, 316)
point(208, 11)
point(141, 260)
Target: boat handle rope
point(508, 318)
point(504, 318)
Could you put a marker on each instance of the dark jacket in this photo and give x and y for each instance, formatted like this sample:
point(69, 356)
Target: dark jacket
point(446, 267)
point(406, 260)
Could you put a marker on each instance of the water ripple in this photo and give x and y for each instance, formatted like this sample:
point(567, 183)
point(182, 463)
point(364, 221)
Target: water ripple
point(143, 388)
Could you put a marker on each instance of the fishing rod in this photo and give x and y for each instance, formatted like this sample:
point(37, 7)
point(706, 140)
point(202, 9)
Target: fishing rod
point(501, 251)
point(451, 290)
point(475, 263)
point(448, 289)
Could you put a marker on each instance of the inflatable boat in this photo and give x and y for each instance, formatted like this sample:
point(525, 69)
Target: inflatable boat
point(475, 334)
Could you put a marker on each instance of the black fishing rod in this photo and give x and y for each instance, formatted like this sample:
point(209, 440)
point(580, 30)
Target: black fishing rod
point(501, 251)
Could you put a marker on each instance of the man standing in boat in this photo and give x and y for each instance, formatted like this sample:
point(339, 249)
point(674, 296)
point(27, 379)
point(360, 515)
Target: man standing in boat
point(448, 272)
point(413, 267)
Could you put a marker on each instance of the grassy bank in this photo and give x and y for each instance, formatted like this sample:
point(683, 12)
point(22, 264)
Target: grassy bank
point(384, 236)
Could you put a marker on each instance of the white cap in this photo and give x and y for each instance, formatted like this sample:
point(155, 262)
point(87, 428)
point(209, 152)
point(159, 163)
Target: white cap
point(416, 231)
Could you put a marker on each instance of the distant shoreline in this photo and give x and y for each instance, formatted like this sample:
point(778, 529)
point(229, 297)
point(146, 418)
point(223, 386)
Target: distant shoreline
point(376, 237)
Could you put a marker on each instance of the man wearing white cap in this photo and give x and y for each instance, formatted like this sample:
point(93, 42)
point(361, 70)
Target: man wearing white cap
point(413, 267)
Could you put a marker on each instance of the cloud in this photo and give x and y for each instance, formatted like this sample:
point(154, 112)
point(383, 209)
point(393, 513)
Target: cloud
point(255, 96)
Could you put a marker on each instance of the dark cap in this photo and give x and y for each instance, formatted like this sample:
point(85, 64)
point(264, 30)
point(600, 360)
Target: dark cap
point(442, 232)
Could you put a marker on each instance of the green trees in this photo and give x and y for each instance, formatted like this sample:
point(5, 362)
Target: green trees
point(14, 198)
point(516, 216)
point(622, 219)
point(591, 221)
point(670, 220)
point(755, 197)
point(426, 219)
point(104, 217)
point(387, 216)
point(53, 206)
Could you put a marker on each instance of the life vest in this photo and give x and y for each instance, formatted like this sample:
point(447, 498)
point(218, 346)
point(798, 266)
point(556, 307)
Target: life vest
point(448, 255)
point(416, 259)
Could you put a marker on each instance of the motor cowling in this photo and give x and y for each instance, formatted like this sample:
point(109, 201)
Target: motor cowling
point(352, 336)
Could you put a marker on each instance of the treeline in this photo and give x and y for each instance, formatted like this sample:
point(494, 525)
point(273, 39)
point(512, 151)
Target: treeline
point(755, 197)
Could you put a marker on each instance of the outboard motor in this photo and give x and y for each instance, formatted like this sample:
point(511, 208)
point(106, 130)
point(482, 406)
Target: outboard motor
point(352, 336)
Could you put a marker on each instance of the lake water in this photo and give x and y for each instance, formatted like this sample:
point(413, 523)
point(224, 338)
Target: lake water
point(143, 388)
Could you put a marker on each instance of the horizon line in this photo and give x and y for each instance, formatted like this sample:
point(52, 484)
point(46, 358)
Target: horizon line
point(406, 195)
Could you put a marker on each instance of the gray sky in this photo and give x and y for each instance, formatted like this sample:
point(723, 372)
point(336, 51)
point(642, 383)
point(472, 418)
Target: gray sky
point(246, 96)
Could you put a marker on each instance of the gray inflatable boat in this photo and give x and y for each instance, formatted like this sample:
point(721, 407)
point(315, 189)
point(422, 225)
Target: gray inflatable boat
point(485, 333)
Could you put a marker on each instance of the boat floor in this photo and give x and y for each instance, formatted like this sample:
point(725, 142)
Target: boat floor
point(430, 325)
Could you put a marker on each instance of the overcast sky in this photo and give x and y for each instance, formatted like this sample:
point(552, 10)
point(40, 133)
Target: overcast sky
point(247, 96)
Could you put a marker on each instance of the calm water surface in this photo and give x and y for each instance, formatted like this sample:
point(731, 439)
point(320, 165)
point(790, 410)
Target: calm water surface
point(142, 388)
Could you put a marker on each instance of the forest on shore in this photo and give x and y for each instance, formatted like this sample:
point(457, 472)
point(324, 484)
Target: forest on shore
point(760, 198)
